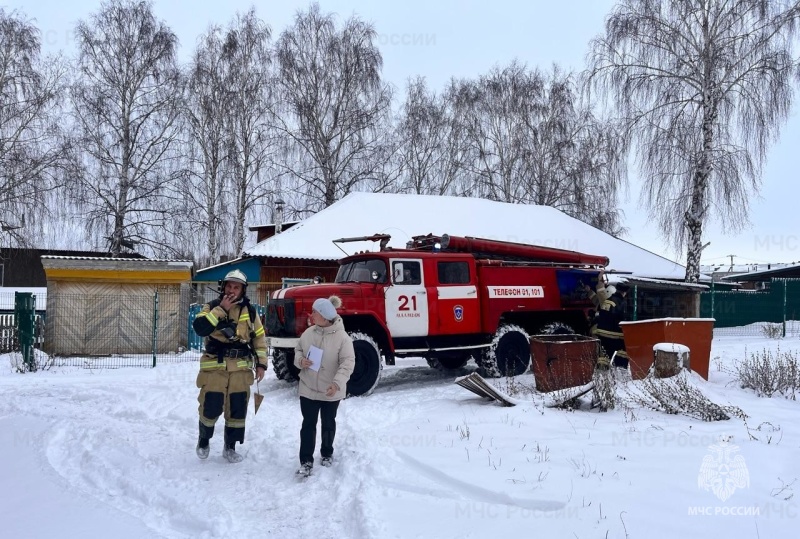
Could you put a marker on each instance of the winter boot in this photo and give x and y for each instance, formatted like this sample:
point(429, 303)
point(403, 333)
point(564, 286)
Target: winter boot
point(327, 461)
point(305, 469)
point(230, 454)
point(202, 448)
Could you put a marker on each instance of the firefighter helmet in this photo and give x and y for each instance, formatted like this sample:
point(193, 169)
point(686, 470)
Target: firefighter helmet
point(235, 276)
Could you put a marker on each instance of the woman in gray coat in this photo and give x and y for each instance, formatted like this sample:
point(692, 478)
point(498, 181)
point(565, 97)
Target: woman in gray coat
point(325, 357)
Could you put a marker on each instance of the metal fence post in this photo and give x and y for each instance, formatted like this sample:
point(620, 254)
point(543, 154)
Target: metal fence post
point(155, 327)
point(25, 317)
point(712, 298)
point(785, 287)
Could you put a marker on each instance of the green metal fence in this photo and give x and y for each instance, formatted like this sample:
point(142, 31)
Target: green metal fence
point(84, 330)
point(773, 312)
point(127, 330)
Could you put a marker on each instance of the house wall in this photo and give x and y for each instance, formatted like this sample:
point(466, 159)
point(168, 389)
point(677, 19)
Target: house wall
point(274, 269)
point(251, 267)
point(264, 276)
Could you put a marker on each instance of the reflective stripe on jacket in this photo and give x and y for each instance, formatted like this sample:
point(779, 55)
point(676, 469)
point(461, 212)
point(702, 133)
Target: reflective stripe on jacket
point(206, 324)
point(610, 314)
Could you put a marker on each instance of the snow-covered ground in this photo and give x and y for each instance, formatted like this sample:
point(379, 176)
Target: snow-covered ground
point(111, 453)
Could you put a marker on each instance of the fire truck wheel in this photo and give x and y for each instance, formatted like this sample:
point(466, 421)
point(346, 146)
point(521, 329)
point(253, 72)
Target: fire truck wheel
point(368, 366)
point(509, 353)
point(283, 364)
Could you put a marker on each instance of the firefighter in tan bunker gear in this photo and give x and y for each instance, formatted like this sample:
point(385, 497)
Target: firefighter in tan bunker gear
point(234, 336)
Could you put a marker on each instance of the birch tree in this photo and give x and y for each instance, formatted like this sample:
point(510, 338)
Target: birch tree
point(336, 102)
point(429, 142)
point(207, 106)
point(532, 139)
point(493, 112)
point(246, 55)
point(126, 103)
point(32, 143)
point(704, 87)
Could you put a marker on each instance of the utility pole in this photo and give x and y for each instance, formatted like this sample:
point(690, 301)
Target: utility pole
point(731, 268)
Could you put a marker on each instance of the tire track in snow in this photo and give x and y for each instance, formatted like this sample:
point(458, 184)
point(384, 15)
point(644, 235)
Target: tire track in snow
point(476, 493)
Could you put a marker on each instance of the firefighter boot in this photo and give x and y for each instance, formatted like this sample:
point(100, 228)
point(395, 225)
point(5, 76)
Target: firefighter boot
point(230, 454)
point(202, 448)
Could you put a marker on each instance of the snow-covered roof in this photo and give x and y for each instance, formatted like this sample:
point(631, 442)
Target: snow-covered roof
point(226, 263)
point(171, 261)
point(776, 270)
point(657, 283)
point(744, 268)
point(404, 216)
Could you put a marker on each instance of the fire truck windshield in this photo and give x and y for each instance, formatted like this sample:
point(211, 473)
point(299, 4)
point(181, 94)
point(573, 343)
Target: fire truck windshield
point(361, 271)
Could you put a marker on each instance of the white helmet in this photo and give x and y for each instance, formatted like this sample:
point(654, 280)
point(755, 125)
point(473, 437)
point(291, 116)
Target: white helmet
point(611, 290)
point(236, 276)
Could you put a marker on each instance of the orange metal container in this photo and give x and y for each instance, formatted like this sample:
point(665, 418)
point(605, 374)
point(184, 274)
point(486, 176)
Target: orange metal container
point(641, 336)
point(562, 361)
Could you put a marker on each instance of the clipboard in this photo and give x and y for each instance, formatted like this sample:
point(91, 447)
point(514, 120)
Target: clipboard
point(315, 355)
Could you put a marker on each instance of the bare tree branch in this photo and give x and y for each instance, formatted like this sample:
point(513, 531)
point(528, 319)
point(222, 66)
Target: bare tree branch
point(703, 88)
point(126, 104)
point(338, 104)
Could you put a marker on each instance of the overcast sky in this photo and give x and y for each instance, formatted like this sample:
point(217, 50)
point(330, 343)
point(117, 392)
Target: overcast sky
point(439, 39)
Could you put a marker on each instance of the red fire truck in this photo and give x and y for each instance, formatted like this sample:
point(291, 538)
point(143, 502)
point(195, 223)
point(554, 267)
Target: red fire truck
point(445, 298)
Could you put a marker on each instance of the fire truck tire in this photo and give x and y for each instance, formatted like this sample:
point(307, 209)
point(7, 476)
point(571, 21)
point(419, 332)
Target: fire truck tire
point(368, 366)
point(509, 353)
point(283, 364)
point(447, 363)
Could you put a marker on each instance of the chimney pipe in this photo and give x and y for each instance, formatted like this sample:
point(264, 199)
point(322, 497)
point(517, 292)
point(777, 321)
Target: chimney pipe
point(279, 215)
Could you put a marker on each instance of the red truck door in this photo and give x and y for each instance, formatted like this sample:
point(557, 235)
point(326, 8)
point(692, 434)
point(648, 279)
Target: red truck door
point(457, 305)
point(407, 299)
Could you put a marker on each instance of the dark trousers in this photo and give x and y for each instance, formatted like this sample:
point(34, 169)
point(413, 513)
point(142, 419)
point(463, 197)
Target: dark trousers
point(615, 345)
point(311, 409)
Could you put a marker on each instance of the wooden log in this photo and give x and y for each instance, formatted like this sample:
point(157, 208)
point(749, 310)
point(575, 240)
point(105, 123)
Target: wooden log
point(669, 359)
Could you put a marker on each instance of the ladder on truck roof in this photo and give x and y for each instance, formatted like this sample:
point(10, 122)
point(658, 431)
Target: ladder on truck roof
point(505, 250)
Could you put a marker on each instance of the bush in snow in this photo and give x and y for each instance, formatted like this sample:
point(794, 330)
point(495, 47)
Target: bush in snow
point(772, 331)
point(677, 395)
point(769, 374)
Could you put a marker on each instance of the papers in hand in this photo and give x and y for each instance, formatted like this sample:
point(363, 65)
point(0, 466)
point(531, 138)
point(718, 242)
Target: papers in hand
point(315, 355)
